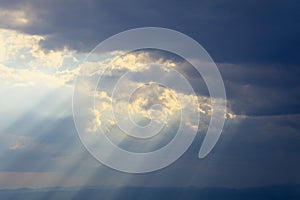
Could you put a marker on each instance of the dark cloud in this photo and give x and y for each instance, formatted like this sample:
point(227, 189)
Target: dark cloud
point(49, 140)
point(251, 152)
point(259, 38)
point(262, 90)
point(252, 31)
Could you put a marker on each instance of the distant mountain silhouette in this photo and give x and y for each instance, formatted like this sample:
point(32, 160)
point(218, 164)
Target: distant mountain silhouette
point(286, 192)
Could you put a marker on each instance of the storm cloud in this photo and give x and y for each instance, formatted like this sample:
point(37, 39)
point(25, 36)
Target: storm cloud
point(252, 31)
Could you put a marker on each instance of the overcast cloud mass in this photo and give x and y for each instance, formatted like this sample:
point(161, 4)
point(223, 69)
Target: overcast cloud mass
point(255, 45)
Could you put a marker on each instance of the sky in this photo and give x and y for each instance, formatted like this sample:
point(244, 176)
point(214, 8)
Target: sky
point(43, 46)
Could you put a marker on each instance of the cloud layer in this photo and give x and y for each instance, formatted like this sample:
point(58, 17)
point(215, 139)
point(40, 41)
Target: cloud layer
point(256, 47)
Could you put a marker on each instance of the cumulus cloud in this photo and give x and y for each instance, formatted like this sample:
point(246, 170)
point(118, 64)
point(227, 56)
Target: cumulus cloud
point(12, 44)
point(24, 63)
point(149, 101)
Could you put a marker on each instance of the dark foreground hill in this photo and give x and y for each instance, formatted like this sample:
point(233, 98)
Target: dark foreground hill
point(291, 192)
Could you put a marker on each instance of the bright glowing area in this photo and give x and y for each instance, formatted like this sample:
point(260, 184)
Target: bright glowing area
point(36, 87)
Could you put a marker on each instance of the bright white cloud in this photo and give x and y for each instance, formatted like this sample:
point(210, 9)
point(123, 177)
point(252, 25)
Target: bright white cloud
point(23, 50)
point(28, 77)
point(12, 43)
point(140, 106)
point(112, 62)
point(23, 62)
